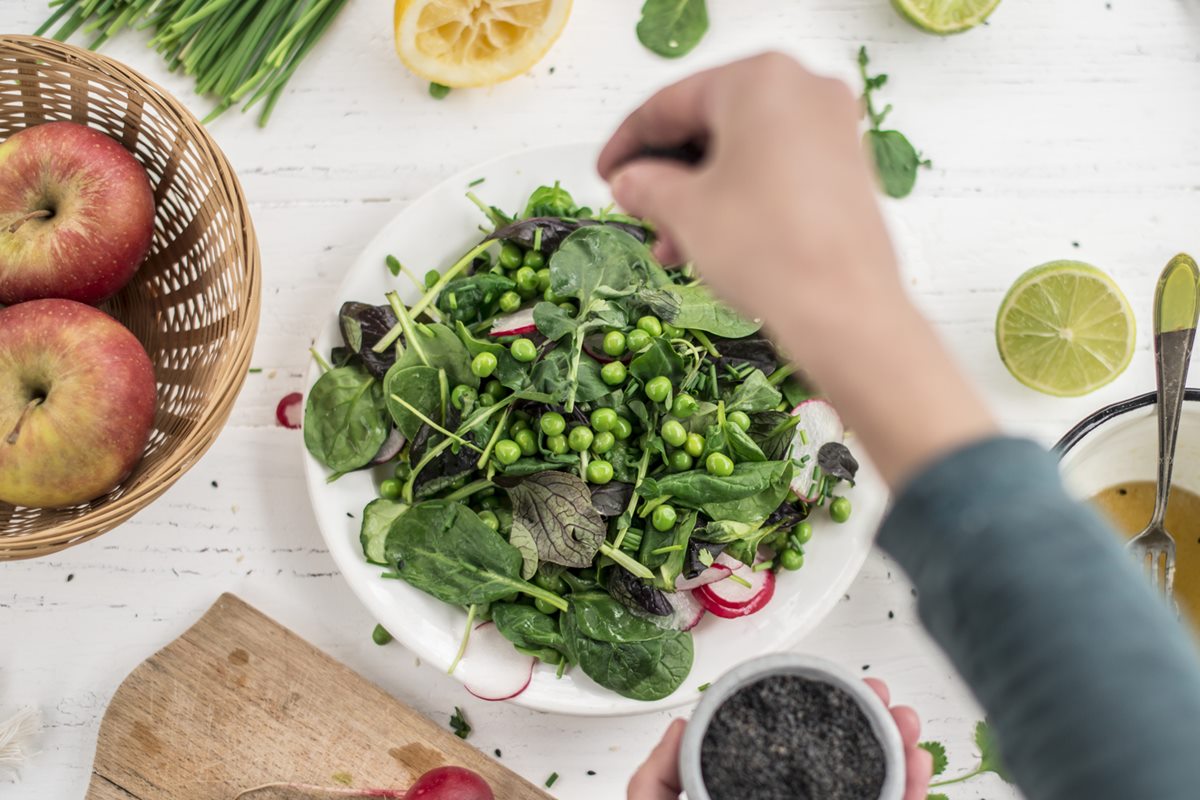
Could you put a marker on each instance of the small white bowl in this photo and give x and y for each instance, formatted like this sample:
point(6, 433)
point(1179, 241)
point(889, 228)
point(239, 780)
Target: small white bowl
point(1119, 444)
point(814, 669)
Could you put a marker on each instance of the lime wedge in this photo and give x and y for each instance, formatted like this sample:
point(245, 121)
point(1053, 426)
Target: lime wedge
point(945, 16)
point(1065, 329)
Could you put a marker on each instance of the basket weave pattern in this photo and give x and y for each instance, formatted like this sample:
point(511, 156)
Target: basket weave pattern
point(193, 304)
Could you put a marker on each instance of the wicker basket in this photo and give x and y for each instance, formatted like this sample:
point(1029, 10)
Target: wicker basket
point(193, 304)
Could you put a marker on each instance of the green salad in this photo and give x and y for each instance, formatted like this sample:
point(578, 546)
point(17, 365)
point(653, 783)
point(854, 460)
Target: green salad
point(577, 445)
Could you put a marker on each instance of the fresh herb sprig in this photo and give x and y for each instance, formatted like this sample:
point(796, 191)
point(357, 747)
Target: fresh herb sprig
point(989, 760)
point(896, 160)
point(672, 28)
point(459, 724)
point(239, 51)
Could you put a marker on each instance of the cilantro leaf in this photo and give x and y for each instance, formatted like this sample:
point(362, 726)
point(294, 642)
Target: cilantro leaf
point(990, 759)
point(938, 751)
point(459, 724)
point(938, 796)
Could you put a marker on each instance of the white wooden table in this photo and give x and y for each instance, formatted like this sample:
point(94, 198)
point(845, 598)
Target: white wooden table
point(1060, 130)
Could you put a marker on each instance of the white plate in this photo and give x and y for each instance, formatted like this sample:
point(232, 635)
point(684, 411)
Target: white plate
point(433, 232)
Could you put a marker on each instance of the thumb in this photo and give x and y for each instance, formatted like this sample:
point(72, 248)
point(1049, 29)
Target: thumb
point(657, 190)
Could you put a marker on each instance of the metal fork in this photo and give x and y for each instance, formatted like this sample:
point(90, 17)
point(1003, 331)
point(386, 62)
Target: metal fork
point(1176, 310)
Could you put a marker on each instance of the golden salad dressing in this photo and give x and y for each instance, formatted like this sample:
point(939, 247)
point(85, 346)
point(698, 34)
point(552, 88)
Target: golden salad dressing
point(1130, 505)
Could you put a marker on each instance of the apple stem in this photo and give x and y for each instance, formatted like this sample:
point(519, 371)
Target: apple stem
point(41, 213)
point(16, 431)
point(339, 791)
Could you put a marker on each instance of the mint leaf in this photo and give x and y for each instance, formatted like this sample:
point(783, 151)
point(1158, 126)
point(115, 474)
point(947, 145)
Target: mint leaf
point(938, 751)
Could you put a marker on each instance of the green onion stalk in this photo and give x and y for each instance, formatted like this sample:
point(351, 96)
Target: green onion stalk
point(236, 50)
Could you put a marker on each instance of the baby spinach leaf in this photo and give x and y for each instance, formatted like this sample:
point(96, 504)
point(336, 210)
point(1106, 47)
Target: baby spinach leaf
point(774, 432)
point(377, 520)
point(896, 161)
point(596, 263)
point(445, 550)
point(556, 229)
point(473, 298)
point(700, 310)
point(752, 492)
point(528, 628)
point(663, 303)
point(417, 386)
point(344, 419)
point(754, 394)
point(554, 521)
point(632, 656)
point(549, 201)
point(672, 28)
point(362, 326)
point(443, 350)
point(553, 322)
point(589, 385)
point(658, 359)
point(741, 446)
point(450, 464)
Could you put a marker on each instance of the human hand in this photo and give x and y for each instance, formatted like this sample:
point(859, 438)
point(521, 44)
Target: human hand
point(658, 777)
point(781, 219)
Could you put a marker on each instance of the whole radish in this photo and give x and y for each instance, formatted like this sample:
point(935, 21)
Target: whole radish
point(442, 783)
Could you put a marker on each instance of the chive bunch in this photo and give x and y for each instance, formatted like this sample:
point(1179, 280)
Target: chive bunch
point(237, 50)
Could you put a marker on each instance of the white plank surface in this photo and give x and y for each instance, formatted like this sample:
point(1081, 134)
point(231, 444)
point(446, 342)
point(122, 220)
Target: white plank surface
point(1059, 130)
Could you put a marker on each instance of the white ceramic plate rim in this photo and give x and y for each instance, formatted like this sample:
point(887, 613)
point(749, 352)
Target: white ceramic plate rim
point(431, 629)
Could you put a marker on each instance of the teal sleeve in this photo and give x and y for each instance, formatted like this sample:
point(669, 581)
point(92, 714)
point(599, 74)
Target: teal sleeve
point(1091, 685)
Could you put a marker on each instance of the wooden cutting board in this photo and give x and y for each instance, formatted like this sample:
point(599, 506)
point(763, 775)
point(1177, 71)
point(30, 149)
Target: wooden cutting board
point(239, 700)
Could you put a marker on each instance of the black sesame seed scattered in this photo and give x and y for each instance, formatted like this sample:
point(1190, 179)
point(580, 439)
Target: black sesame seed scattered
point(891, 615)
point(498, 753)
point(591, 772)
point(214, 485)
point(70, 577)
point(791, 738)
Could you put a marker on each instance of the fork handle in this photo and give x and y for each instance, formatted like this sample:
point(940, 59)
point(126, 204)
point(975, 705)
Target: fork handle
point(1176, 310)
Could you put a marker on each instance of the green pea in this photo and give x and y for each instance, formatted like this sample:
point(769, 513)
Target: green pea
point(402, 471)
point(719, 464)
point(684, 406)
point(651, 325)
point(523, 350)
point(490, 519)
point(658, 389)
point(550, 297)
point(671, 332)
point(390, 488)
point(568, 307)
point(507, 451)
point(483, 365)
point(740, 419)
point(527, 441)
point(613, 373)
point(534, 259)
point(673, 433)
point(510, 301)
point(490, 503)
point(791, 560)
point(462, 396)
point(637, 340)
point(552, 424)
point(623, 429)
point(664, 518)
point(614, 344)
point(803, 532)
point(527, 280)
point(557, 444)
point(486, 400)
point(545, 606)
point(543, 276)
point(511, 256)
point(603, 442)
point(432, 277)
point(599, 472)
point(680, 461)
point(839, 509)
point(494, 388)
point(580, 438)
point(551, 583)
point(518, 425)
point(604, 419)
point(694, 446)
point(380, 636)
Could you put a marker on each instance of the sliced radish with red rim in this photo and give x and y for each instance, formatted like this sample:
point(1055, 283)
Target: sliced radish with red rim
point(741, 594)
point(819, 425)
point(491, 669)
point(517, 323)
point(290, 412)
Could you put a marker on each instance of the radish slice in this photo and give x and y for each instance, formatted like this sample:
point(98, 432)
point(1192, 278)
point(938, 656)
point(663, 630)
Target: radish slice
point(390, 447)
point(717, 572)
point(688, 610)
point(517, 323)
point(491, 669)
point(732, 598)
point(819, 425)
point(289, 413)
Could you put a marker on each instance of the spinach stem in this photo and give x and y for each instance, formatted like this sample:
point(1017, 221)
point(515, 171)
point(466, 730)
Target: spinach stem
point(741, 580)
point(443, 392)
point(322, 363)
point(405, 324)
point(438, 448)
point(782, 374)
point(538, 593)
point(650, 505)
point(624, 560)
point(448, 276)
point(470, 489)
point(487, 451)
point(703, 339)
point(462, 647)
point(627, 518)
point(416, 412)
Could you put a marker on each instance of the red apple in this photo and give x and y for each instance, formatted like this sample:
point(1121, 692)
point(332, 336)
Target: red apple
point(77, 396)
point(76, 214)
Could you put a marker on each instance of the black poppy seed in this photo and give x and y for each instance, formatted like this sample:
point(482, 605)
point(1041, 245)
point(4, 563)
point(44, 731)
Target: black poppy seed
point(791, 738)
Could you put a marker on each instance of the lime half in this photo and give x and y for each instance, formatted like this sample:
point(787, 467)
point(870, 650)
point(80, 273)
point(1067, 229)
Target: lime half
point(945, 16)
point(1065, 329)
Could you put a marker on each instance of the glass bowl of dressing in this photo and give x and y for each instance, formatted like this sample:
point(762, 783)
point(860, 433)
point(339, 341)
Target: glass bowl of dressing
point(1111, 460)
